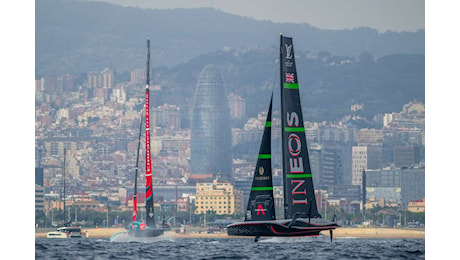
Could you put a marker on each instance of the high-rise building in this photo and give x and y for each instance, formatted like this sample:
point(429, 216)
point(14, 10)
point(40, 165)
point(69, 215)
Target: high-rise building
point(39, 176)
point(237, 106)
point(138, 76)
point(39, 197)
point(406, 156)
point(166, 116)
point(387, 177)
point(359, 162)
point(100, 84)
point(365, 157)
point(334, 165)
point(211, 136)
point(412, 185)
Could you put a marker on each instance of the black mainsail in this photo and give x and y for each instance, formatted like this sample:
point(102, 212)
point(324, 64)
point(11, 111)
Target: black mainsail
point(299, 195)
point(261, 204)
point(300, 210)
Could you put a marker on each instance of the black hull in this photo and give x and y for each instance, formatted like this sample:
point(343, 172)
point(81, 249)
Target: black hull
point(278, 228)
point(151, 232)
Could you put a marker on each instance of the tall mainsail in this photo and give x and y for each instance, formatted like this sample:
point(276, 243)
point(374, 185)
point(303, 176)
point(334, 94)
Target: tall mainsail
point(150, 220)
point(299, 195)
point(261, 204)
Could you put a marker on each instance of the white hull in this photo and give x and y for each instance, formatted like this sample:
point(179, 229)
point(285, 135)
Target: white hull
point(65, 232)
point(56, 234)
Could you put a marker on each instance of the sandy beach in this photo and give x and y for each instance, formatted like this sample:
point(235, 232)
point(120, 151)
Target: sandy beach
point(340, 232)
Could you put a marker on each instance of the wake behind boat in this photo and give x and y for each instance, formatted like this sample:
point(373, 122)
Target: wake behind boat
point(300, 210)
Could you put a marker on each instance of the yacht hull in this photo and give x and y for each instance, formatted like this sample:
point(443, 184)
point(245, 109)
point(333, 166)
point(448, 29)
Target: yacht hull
point(150, 232)
point(65, 232)
point(301, 227)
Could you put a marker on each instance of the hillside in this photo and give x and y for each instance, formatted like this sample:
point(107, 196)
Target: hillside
point(77, 36)
point(329, 84)
point(336, 68)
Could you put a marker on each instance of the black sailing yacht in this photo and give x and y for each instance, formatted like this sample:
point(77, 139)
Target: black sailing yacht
point(300, 211)
point(147, 228)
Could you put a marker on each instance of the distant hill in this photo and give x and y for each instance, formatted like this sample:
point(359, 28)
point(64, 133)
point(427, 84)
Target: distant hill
point(77, 36)
point(329, 84)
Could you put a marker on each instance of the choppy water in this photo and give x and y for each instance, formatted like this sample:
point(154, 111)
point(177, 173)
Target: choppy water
point(243, 248)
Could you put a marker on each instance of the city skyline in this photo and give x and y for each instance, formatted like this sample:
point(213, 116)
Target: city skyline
point(67, 121)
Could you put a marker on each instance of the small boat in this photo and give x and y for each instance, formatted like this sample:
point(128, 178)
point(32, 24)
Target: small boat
point(65, 232)
point(147, 228)
point(300, 210)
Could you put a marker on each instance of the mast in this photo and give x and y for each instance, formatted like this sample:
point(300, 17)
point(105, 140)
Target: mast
point(299, 194)
point(261, 204)
point(135, 174)
point(63, 181)
point(150, 220)
point(363, 185)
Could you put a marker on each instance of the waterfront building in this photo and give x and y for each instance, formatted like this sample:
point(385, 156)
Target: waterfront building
point(218, 197)
point(416, 206)
point(348, 192)
point(211, 136)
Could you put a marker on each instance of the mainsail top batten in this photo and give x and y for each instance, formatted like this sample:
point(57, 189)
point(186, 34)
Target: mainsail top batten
point(298, 184)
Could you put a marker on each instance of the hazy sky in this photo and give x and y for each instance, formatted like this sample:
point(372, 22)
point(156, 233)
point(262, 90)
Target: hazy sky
point(395, 15)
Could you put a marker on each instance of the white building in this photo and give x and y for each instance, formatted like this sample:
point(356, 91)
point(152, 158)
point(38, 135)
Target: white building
point(359, 162)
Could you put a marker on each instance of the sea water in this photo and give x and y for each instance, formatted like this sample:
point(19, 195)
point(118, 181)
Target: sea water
point(230, 248)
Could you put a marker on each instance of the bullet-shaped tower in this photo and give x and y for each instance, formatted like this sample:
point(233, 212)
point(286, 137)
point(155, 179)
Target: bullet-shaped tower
point(211, 137)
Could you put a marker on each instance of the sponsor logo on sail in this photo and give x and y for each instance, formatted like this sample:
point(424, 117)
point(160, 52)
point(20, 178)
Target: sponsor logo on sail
point(260, 209)
point(261, 170)
point(294, 146)
point(288, 51)
point(289, 56)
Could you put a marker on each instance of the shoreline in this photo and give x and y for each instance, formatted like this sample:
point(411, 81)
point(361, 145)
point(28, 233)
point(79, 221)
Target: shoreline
point(338, 233)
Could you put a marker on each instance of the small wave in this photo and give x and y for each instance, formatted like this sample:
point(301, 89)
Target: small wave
point(124, 237)
point(288, 240)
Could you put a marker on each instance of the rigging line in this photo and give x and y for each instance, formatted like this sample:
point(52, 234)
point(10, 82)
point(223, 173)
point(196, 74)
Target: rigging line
point(275, 76)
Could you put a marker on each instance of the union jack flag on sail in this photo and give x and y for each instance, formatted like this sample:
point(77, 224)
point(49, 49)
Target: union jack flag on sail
point(289, 78)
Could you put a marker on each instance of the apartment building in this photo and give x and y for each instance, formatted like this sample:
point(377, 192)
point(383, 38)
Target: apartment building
point(218, 197)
